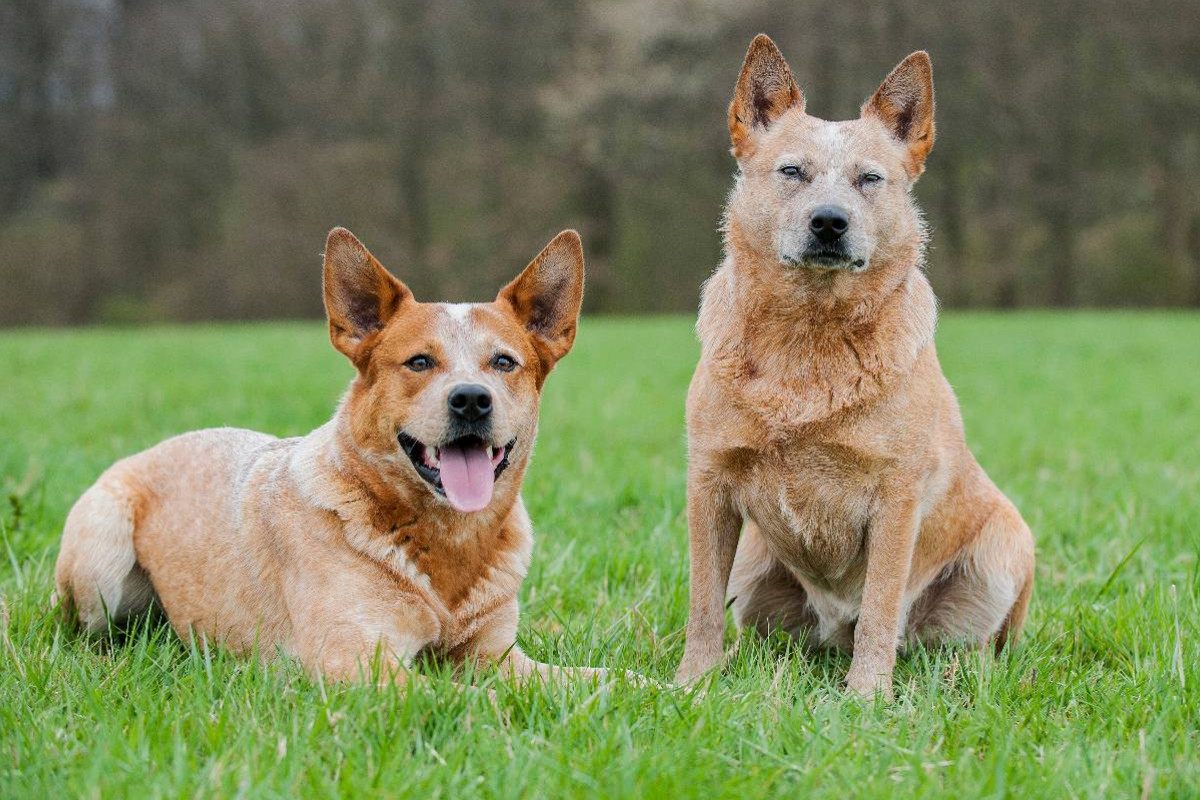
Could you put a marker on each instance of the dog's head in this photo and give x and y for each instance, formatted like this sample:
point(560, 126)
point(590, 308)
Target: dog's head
point(820, 195)
point(450, 393)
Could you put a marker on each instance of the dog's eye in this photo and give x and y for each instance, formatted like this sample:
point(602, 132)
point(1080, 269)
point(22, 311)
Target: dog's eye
point(791, 171)
point(870, 177)
point(504, 363)
point(420, 363)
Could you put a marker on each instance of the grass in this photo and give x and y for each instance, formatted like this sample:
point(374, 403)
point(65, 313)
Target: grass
point(1091, 423)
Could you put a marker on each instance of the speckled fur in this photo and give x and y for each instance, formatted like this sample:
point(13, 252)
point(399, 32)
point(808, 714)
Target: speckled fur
point(830, 490)
point(330, 548)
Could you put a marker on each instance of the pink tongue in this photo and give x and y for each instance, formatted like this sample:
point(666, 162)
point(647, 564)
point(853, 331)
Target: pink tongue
point(467, 477)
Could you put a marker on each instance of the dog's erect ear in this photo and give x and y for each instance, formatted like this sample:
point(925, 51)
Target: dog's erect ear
point(547, 295)
point(360, 295)
point(904, 103)
point(765, 90)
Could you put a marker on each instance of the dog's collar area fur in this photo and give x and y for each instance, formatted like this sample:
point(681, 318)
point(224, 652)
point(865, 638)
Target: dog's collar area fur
point(795, 361)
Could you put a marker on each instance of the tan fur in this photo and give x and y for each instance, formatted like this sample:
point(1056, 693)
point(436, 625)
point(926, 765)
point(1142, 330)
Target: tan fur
point(330, 548)
point(830, 489)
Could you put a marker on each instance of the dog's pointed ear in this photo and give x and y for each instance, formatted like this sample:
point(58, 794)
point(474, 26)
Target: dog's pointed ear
point(547, 295)
point(360, 295)
point(904, 103)
point(765, 90)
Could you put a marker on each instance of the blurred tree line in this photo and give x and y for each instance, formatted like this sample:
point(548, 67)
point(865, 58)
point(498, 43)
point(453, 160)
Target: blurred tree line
point(183, 159)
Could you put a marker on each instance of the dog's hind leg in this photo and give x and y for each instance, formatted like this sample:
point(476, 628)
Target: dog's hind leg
point(97, 574)
point(1016, 616)
point(764, 595)
point(983, 596)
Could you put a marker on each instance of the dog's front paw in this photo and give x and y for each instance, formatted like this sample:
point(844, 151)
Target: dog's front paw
point(868, 684)
point(689, 673)
point(693, 668)
point(632, 678)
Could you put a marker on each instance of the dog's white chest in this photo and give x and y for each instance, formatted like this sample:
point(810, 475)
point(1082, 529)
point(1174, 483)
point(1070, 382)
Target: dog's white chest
point(822, 541)
point(813, 508)
point(820, 536)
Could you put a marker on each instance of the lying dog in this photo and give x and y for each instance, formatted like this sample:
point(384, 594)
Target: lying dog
point(395, 528)
point(820, 426)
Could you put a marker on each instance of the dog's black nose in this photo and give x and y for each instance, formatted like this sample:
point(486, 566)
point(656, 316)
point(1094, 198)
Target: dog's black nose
point(470, 401)
point(828, 223)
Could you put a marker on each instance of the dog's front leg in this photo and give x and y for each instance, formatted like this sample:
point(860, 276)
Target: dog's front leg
point(713, 529)
point(521, 667)
point(496, 644)
point(892, 536)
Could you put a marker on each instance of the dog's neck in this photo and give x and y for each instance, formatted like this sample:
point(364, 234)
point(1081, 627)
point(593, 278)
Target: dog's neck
point(380, 493)
point(797, 346)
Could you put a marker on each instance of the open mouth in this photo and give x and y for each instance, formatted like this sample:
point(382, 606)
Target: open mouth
point(464, 470)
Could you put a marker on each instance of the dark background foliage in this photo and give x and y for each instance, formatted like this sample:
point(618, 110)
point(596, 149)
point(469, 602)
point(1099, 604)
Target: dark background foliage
point(183, 159)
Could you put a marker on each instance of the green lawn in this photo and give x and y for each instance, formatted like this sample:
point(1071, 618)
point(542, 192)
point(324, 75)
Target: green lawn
point(1090, 422)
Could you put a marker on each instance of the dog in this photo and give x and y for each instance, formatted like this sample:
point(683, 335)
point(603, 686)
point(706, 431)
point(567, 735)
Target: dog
point(831, 494)
point(395, 529)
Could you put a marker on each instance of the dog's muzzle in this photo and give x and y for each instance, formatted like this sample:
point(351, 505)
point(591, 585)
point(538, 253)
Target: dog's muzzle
point(824, 257)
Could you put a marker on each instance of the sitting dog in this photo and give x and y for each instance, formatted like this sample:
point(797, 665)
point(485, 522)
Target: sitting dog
point(395, 528)
point(830, 490)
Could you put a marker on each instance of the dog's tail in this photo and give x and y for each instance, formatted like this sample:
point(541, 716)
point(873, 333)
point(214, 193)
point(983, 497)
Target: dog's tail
point(97, 577)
